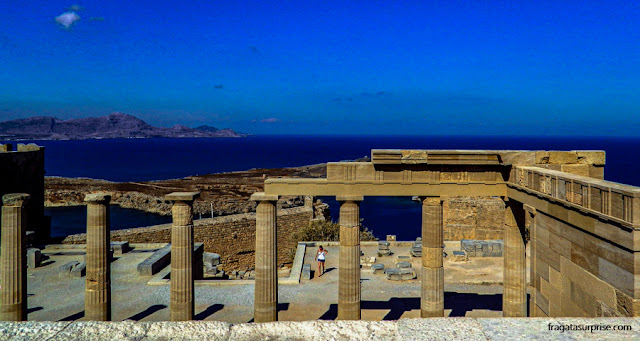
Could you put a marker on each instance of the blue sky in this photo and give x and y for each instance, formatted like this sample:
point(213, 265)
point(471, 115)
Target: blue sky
point(330, 67)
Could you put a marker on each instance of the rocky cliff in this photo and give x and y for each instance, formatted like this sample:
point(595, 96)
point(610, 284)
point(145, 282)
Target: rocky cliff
point(116, 125)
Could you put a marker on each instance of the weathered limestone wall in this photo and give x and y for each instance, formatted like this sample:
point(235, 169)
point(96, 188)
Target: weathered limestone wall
point(473, 218)
point(233, 237)
point(22, 171)
point(578, 274)
point(585, 237)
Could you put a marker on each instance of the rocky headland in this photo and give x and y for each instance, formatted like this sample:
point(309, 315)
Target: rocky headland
point(228, 192)
point(116, 125)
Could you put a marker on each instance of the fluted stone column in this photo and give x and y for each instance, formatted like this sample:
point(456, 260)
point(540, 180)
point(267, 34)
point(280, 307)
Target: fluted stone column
point(531, 223)
point(266, 284)
point(182, 303)
point(13, 258)
point(432, 274)
point(349, 263)
point(97, 297)
point(514, 297)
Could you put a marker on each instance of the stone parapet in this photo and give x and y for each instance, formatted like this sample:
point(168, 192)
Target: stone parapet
point(405, 329)
point(606, 199)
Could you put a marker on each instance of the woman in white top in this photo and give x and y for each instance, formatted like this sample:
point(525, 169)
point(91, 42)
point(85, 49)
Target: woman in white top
point(320, 257)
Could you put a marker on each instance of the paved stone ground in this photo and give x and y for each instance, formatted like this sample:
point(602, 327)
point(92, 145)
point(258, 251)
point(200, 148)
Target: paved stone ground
point(62, 299)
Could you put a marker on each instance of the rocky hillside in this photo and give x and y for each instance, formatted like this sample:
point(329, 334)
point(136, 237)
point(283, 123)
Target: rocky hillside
point(116, 125)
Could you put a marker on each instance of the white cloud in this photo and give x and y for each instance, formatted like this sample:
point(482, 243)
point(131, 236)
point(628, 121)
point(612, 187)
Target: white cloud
point(67, 19)
point(270, 120)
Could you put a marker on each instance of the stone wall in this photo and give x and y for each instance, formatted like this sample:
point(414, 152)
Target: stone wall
point(22, 171)
point(578, 274)
point(584, 239)
point(473, 218)
point(233, 236)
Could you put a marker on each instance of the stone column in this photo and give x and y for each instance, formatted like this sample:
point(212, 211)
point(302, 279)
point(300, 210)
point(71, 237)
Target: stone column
point(514, 297)
point(432, 274)
point(265, 306)
point(13, 258)
point(182, 304)
point(97, 296)
point(349, 263)
point(531, 223)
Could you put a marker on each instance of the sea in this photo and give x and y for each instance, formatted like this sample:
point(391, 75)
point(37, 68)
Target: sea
point(157, 159)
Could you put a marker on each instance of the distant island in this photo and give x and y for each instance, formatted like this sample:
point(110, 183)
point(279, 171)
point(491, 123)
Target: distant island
point(116, 125)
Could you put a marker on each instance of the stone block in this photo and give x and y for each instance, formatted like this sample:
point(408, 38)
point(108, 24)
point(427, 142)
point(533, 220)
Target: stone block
point(382, 253)
point(403, 258)
point(64, 271)
point(403, 265)
point(34, 258)
point(211, 270)
point(306, 271)
point(383, 245)
point(391, 237)
point(156, 262)
point(220, 274)
point(459, 256)
point(416, 252)
point(79, 270)
point(561, 157)
point(419, 240)
point(120, 247)
point(377, 268)
point(396, 274)
point(211, 258)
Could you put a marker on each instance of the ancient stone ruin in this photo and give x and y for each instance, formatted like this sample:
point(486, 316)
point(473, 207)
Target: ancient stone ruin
point(581, 229)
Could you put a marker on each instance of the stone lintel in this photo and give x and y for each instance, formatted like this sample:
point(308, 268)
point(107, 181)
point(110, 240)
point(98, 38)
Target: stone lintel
point(15, 199)
point(261, 196)
point(529, 209)
point(349, 198)
point(182, 196)
point(97, 197)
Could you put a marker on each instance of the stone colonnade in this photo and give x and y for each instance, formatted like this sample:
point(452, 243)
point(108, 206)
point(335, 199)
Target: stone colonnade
point(349, 287)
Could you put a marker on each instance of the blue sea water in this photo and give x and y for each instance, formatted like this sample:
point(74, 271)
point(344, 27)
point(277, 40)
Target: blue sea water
point(155, 159)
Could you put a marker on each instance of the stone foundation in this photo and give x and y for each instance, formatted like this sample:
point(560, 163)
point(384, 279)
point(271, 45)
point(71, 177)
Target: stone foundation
point(405, 329)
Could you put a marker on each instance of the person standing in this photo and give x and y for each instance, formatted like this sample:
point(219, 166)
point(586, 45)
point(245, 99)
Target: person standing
point(320, 257)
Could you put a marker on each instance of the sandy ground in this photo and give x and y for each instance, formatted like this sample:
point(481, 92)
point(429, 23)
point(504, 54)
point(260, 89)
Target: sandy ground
point(54, 298)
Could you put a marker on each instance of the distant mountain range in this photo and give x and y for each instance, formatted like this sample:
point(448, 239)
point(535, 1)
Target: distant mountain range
point(116, 125)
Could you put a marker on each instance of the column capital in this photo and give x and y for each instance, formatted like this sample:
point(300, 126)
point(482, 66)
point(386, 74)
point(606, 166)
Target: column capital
point(349, 197)
point(97, 198)
point(432, 201)
point(15, 199)
point(182, 196)
point(261, 196)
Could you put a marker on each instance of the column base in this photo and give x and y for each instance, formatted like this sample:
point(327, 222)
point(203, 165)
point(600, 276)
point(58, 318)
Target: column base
point(182, 311)
point(432, 295)
point(349, 310)
point(265, 312)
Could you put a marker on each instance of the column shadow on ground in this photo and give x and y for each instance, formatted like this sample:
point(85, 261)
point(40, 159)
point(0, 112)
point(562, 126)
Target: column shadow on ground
point(459, 303)
point(31, 310)
point(280, 307)
point(152, 309)
point(74, 317)
point(212, 309)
